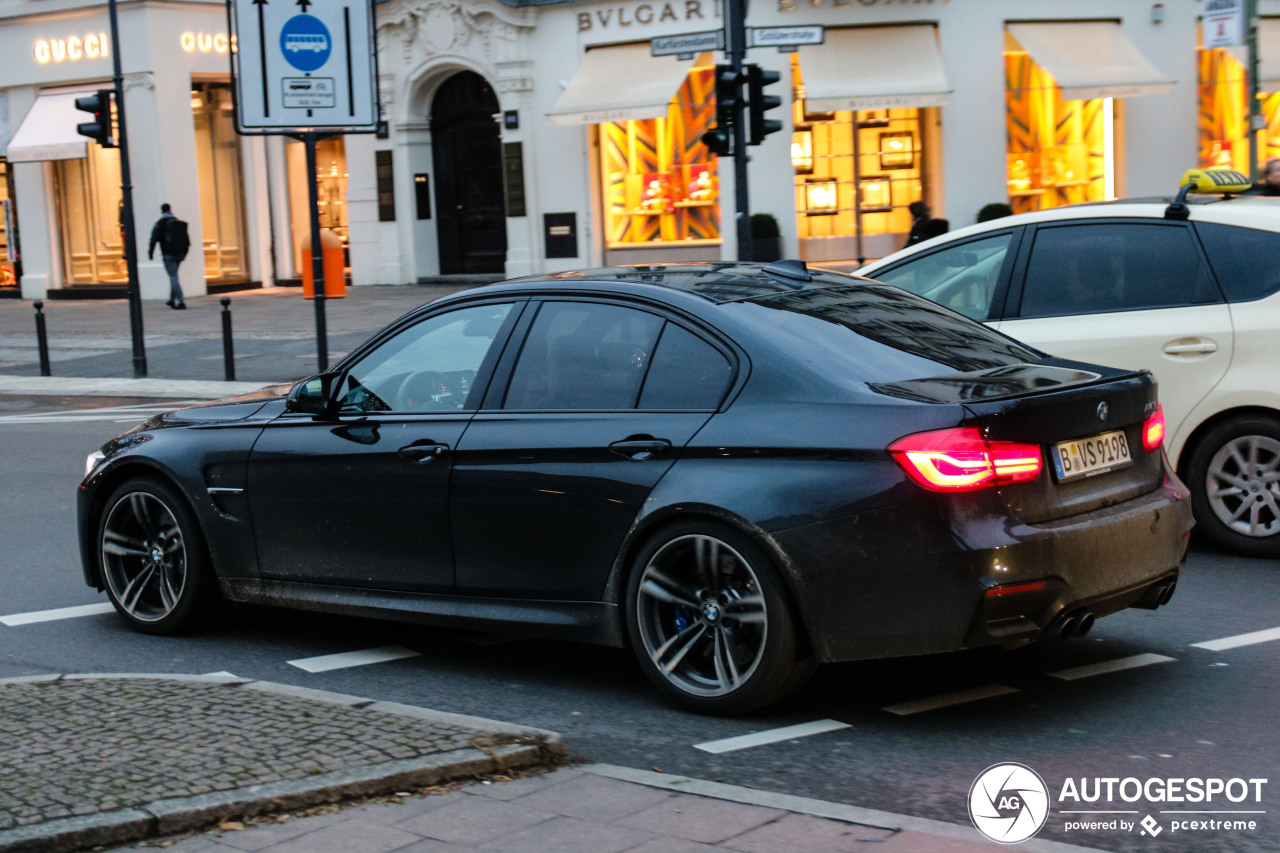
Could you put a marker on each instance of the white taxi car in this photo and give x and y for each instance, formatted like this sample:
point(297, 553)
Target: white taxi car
point(1189, 290)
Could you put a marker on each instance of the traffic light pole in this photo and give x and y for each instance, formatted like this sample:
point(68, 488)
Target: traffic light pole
point(735, 39)
point(126, 214)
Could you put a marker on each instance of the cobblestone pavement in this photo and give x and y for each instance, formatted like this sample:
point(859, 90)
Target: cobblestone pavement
point(566, 811)
point(150, 749)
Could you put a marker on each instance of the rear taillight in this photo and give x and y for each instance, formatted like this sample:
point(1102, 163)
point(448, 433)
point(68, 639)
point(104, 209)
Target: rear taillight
point(960, 459)
point(1153, 430)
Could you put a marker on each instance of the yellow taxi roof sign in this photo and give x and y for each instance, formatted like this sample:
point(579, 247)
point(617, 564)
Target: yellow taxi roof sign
point(1215, 181)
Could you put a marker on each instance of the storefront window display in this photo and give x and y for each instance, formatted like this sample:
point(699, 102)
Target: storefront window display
point(8, 238)
point(1224, 117)
point(221, 183)
point(1059, 151)
point(856, 172)
point(659, 180)
point(331, 180)
point(89, 204)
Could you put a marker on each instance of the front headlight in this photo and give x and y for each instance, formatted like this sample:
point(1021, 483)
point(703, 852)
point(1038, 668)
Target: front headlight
point(91, 461)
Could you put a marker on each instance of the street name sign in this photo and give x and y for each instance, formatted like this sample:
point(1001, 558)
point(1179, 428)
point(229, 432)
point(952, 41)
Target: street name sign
point(784, 36)
point(688, 43)
point(304, 65)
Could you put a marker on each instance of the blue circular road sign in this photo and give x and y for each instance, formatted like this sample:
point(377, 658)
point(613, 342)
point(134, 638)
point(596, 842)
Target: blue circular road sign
point(305, 42)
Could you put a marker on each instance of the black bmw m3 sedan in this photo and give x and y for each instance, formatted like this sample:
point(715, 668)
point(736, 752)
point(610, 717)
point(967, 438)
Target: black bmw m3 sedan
point(738, 471)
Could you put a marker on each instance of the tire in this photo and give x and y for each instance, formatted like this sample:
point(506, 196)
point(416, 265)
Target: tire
point(1234, 476)
point(153, 558)
point(710, 622)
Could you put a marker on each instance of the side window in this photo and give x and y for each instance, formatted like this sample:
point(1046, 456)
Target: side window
point(1113, 266)
point(429, 367)
point(1246, 260)
point(687, 373)
point(963, 278)
point(583, 355)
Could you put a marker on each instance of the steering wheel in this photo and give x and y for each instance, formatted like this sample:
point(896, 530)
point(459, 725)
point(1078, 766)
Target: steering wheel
point(426, 391)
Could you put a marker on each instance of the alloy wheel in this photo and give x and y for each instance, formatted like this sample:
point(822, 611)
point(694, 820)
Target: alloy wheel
point(702, 616)
point(1243, 485)
point(144, 557)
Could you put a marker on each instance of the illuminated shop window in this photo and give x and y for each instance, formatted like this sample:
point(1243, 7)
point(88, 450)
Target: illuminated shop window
point(331, 185)
point(659, 180)
point(1224, 117)
point(89, 204)
point(856, 171)
point(8, 243)
point(1059, 152)
point(221, 183)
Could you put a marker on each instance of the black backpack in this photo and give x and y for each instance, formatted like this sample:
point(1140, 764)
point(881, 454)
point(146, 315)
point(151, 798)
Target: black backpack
point(174, 240)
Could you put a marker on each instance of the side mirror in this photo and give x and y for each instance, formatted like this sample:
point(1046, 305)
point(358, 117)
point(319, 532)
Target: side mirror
point(312, 396)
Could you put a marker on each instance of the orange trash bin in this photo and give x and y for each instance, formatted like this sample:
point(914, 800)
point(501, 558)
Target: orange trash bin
point(335, 279)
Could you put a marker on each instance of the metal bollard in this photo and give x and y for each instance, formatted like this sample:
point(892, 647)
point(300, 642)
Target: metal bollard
point(42, 339)
point(228, 350)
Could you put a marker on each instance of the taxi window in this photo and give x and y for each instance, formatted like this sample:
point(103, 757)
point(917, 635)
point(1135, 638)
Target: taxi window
point(1246, 260)
point(1113, 266)
point(963, 277)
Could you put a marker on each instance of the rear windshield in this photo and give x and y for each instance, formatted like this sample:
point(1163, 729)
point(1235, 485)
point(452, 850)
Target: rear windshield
point(876, 333)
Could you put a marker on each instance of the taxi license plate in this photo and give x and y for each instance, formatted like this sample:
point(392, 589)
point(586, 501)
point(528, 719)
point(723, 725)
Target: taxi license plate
point(1086, 457)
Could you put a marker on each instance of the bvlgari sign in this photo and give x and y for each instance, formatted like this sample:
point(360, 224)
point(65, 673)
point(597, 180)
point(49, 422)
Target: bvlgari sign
point(645, 14)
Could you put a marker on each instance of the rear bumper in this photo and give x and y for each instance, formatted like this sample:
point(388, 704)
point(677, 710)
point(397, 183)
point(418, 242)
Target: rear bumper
point(913, 579)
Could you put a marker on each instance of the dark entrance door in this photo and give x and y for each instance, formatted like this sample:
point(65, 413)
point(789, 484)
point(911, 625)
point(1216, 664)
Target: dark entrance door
point(467, 151)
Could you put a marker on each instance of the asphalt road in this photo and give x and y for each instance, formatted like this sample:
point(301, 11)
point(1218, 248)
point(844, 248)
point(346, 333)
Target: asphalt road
point(1179, 711)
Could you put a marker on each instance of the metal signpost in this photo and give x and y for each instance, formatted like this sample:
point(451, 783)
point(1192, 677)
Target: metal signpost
point(305, 69)
point(739, 122)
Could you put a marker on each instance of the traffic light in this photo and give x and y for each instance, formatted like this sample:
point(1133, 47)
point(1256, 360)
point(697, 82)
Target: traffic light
point(758, 103)
point(719, 139)
point(99, 103)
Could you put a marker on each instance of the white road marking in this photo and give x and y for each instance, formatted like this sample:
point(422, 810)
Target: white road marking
point(958, 698)
point(343, 660)
point(1239, 640)
point(1089, 670)
point(732, 744)
point(15, 619)
point(222, 673)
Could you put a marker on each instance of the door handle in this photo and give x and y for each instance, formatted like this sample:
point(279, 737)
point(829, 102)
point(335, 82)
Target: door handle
point(1190, 346)
point(640, 447)
point(423, 452)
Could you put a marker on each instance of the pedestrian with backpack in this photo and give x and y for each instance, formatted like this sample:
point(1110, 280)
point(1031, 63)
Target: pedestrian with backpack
point(170, 233)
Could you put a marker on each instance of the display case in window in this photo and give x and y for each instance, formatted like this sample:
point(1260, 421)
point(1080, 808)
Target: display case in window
point(700, 186)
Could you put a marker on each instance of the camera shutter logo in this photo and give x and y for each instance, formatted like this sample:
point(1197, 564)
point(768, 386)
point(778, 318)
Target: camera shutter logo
point(1008, 803)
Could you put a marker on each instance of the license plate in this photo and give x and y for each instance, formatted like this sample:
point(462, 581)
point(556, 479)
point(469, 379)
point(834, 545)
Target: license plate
point(1086, 457)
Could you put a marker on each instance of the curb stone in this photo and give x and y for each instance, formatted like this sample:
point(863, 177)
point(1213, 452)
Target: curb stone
point(506, 747)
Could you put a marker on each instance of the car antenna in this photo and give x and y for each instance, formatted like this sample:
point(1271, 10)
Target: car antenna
point(792, 272)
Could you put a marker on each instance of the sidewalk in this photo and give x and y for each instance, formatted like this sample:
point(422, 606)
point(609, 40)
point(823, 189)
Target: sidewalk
point(222, 764)
point(274, 338)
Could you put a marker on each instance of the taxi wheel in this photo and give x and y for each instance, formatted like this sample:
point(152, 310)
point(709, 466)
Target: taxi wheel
point(1234, 476)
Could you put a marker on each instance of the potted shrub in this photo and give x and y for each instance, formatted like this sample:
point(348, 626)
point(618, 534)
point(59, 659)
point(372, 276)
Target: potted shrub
point(995, 210)
point(766, 239)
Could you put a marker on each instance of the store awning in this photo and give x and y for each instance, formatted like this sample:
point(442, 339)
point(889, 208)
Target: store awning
point(620, 83)
point(874, 68)
point(1091, 59)
point(49, 131)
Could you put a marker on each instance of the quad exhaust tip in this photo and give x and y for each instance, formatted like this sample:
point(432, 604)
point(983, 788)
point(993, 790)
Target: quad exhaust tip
point(1157, 595)
point(1074, 624)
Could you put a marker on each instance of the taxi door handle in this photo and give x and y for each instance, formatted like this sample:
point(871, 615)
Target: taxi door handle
point(1190, 346)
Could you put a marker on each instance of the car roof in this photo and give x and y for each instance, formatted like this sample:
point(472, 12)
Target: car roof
point(1249, 211)
point(718, 283)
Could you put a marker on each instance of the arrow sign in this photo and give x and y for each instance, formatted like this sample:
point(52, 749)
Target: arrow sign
point(304, 65)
